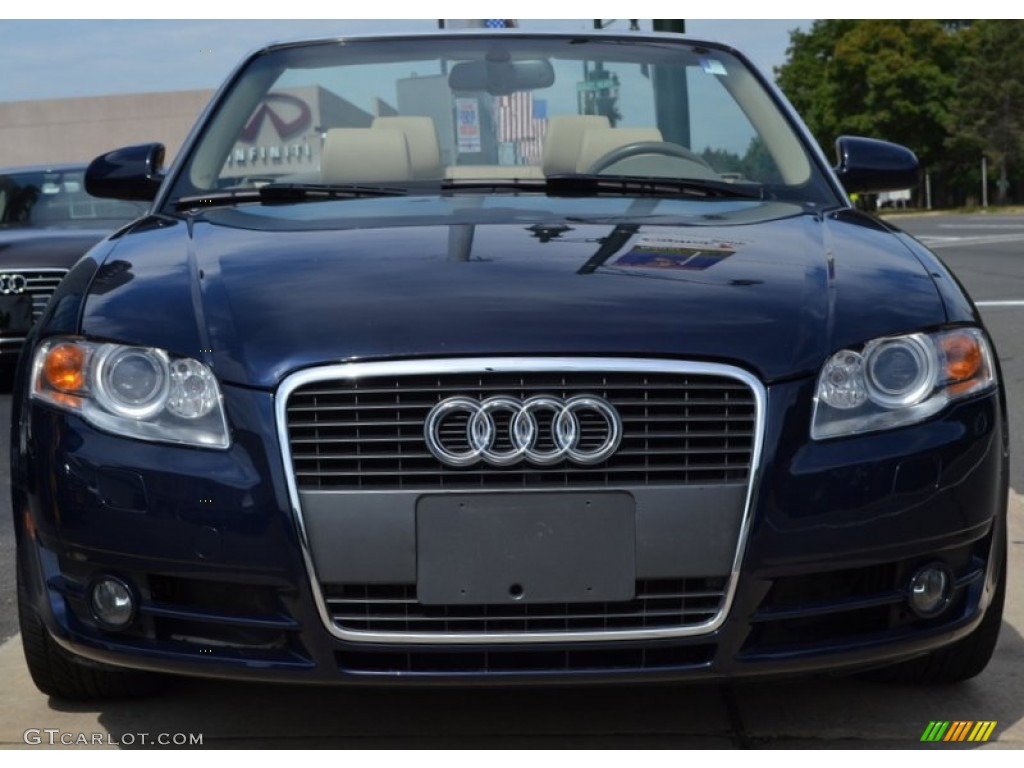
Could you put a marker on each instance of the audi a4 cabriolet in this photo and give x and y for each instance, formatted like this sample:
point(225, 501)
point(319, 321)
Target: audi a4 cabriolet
point(497, 357)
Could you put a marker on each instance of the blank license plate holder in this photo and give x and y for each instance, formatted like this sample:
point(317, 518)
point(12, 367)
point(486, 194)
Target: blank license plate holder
point(503, 549)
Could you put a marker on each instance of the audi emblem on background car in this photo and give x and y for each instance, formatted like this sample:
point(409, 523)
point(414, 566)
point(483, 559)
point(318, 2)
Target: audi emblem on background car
point(12, 283)
point(526, 434)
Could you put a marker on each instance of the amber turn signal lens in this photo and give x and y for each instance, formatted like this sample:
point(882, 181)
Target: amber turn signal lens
point(64, 368)
point(963, 356)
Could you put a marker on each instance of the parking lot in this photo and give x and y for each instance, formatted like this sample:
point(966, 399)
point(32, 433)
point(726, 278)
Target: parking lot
point(985, 251)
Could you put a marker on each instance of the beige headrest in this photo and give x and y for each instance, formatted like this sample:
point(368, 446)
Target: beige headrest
point(421, 137)
point(598, 142)
point(562, 141)
point(364, 154)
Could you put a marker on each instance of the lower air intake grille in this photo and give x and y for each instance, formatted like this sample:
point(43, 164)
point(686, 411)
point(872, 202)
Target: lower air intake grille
point(394, 608)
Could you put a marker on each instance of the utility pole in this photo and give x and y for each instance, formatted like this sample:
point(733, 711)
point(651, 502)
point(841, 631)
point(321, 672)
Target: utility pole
point(670, 25)
point(602, 92)
point(984, 182)
point(671, 97)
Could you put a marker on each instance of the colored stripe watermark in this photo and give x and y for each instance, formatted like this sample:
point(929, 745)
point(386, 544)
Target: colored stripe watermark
point(959, 730)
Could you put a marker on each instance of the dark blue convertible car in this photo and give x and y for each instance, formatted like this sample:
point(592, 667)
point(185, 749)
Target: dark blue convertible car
point(506, 358)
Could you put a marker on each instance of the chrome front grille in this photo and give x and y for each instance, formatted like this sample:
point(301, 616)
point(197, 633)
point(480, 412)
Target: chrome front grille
point(391, 608)
point(366, 433)
point(40, 285)
point(355, 430)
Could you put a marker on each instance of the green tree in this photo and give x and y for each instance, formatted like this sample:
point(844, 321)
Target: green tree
point(987, 117)
point(807, 77)
point(755, 165)
point(890, 79)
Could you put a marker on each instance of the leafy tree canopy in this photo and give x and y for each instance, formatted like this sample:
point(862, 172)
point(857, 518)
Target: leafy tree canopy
point(987, 114)
point(891, 79)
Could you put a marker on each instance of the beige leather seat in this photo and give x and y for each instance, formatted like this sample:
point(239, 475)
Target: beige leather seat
point(421, 139)
point(365, 154)
point(563, 141)
point(494, 172)
point(598, 142)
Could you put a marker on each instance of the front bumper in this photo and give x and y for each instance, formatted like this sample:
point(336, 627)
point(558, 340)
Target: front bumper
point(209, 542)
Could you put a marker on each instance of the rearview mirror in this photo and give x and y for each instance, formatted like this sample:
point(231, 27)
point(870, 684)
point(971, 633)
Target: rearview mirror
point(500, 78)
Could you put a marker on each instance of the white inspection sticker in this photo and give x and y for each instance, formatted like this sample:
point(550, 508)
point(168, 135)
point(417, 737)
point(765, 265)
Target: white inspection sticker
point(713, 66)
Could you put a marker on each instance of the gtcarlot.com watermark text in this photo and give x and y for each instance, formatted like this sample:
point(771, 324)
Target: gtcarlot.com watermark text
point(55, 737)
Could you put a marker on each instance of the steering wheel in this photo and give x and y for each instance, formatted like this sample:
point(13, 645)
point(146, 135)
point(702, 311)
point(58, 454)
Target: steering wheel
point(640, 148)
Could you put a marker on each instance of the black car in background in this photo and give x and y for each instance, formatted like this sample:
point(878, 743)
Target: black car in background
point(505, 357)
point(47, 222)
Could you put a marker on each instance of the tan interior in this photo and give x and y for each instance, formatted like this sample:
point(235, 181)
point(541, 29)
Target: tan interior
point(421, 139)
point(563, 141)
point(406, 148)
point(365, 154)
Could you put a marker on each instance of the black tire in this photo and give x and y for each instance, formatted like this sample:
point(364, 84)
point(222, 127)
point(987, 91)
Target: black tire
point(960, 661)
point(59, 674)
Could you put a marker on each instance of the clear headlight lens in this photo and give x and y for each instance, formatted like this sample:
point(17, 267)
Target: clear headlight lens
point(138, 392)
point(900, 380)
point(131, 381)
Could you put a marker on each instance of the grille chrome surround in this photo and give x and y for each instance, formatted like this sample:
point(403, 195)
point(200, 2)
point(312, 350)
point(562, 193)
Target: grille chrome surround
point(447, 367)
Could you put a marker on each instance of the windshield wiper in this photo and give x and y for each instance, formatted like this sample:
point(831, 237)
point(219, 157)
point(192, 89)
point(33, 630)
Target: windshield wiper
point(559, 185)
point(286, 193)
point(595, 185)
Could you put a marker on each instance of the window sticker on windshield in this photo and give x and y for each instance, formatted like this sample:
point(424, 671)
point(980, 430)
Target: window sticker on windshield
point(713, 66)
point(467, 115)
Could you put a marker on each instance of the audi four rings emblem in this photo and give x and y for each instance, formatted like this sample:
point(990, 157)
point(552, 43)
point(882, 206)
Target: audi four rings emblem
point(13, 284)
point(527, 440)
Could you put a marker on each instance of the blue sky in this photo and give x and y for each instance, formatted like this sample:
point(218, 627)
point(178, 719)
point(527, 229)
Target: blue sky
point(59, 58)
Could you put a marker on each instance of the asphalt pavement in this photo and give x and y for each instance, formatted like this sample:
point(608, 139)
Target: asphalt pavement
point(987, 254)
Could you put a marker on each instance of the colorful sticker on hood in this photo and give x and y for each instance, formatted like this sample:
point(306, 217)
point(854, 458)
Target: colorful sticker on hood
point(677, 253)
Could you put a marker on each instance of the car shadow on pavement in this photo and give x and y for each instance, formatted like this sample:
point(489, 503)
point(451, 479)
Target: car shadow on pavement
point(819, 712)
point(850, 713)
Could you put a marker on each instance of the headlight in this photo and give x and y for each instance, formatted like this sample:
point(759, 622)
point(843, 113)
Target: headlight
point(138, 392)
point(900, 380)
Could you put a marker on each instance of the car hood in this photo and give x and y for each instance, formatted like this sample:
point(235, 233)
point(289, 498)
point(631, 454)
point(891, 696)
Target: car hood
point(766, 287)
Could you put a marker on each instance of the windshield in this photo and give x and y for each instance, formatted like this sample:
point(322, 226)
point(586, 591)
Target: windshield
point(57, 198)
point(501, 107)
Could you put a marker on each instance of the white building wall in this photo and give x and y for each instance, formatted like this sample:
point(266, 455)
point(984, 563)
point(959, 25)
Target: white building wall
point(77, 130)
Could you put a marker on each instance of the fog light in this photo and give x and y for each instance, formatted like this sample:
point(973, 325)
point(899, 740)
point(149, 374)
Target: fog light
point(112, 602)
point(930, 590)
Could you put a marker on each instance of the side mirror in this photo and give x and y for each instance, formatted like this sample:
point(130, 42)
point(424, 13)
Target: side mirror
point(870, 165)
point(130, 173)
